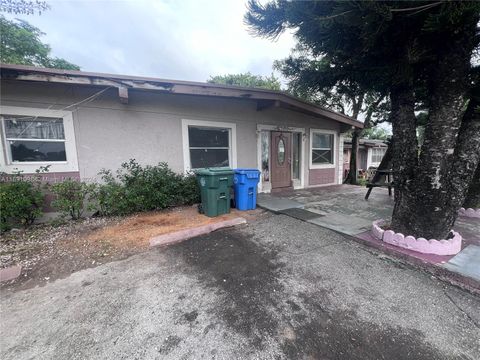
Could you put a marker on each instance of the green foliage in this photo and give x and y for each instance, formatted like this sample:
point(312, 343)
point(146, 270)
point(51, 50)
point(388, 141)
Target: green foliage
point(135, 189)
point(247, 80)
point(73, 197)
point(20, 203)
point(20, 44)
point(375, 44)
point(375, 133)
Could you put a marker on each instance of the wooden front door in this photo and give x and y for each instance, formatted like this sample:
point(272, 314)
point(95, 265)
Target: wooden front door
point(281, 161)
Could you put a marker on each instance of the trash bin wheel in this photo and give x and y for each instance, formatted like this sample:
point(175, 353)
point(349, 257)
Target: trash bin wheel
point(200, 208)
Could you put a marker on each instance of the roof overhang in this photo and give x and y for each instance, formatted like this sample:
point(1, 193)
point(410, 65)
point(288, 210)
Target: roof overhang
point(265, 98)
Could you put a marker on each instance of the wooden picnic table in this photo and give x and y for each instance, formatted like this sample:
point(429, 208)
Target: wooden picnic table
point(388, 183)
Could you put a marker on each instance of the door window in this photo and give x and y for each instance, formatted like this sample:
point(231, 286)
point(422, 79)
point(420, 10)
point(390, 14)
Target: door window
point(281, 151)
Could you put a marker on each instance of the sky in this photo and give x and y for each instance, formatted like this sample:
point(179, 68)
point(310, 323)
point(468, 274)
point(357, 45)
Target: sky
point(170, 39)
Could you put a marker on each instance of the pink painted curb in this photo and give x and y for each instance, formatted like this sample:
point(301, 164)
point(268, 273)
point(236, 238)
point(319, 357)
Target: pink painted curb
point(10, 273)
point(181, 235)
point(438, 247)
point(472, 213)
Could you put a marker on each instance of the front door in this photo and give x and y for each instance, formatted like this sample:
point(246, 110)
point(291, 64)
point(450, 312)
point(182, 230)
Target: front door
point(281, 168)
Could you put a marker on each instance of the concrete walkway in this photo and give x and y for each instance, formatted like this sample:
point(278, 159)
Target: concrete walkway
point(277, 288)
point(342, 208)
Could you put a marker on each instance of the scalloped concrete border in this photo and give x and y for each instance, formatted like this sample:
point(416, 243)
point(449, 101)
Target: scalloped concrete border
point(432, 246)
point(472, 213)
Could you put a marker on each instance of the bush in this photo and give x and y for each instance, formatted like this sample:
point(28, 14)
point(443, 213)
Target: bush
point(20, 203)
point(73, 197)
point(135, 189)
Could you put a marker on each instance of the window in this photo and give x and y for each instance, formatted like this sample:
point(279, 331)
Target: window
point(296, 151)
point(209, 147)
point(265, 145)
point(322, 145)
point(208, 144)
point(377, 154)
point(34, 139)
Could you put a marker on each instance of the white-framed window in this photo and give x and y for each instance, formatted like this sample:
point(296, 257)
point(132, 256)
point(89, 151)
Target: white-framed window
point(37, 137)
point(377, 154)
point(322, 148)
point(208, 144)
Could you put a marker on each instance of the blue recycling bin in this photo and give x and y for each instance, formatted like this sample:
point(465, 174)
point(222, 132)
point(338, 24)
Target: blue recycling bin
point(245, 188)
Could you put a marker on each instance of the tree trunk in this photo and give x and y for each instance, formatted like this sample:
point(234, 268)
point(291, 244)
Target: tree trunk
point(404, 153)
point(352, 176)
point(472, 200)
point(430, 194)
point(464, 180)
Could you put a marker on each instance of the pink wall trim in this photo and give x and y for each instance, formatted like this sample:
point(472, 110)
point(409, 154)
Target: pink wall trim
point(321, 176)
point(473, 213)
point(432, 246)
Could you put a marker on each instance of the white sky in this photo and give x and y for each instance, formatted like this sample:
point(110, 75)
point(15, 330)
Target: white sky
point(172, 39)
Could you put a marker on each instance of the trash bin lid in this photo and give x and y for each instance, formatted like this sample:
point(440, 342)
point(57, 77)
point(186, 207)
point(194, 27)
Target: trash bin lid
point(251, 173)
point(245, 170)
point(214, 171)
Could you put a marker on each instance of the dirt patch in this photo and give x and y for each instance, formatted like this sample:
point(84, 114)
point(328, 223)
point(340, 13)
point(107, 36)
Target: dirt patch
point(326, 334)
point(48, 252)
point(245, 272)
point(139, 229)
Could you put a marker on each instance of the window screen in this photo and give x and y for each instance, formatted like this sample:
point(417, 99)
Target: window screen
point(209, 147)
point(35, 139)
point(322, 148)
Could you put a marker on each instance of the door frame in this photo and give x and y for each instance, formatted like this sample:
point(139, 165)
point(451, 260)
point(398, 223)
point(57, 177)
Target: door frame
point(297, 183)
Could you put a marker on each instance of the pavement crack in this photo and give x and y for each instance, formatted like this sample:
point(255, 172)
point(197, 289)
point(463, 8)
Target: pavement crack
point(467, 315)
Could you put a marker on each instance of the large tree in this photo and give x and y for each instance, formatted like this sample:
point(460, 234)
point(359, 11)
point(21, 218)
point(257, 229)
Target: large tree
point(403, 46)
point(247, 80)
point(20, 43)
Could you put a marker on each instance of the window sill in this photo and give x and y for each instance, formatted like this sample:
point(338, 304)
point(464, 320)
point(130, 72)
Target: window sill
point(31, 167)
point(322, 166)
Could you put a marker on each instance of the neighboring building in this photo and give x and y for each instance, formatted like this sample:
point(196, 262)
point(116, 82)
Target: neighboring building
point(81, 122)
point(370, 154)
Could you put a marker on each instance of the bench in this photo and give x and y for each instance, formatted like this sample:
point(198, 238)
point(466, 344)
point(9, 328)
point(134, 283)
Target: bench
point(388, 183)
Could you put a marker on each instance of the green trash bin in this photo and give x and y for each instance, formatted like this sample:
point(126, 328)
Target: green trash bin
point(215, 184)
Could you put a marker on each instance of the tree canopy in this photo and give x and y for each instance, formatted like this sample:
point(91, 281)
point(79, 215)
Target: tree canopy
point(376, 133)
point(21, 43)
point(247, 80)
point(416, 52)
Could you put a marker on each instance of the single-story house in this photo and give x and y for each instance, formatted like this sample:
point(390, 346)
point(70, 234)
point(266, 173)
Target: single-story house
point(80, 122)
point(370, 154)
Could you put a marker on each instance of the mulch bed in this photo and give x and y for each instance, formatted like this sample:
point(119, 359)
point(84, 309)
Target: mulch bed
point(47, 252)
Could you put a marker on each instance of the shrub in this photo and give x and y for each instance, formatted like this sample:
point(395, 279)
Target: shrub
point(73, 197)
point(135, 189)
point(20, 203)
point(189, 190)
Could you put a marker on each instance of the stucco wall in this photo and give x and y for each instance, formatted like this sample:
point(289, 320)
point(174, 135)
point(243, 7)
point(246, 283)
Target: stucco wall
point(149, 127)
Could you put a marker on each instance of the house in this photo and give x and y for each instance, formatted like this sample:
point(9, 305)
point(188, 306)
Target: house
point(79, 122)
point(370, 154)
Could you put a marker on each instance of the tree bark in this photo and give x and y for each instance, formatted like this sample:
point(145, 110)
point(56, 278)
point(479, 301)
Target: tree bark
point(464, 177)
point(428, 196)
point(404, 153)
point(352, 176)
point(472, 200)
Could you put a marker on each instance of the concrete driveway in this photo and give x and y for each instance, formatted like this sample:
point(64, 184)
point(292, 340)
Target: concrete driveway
point(275, 288)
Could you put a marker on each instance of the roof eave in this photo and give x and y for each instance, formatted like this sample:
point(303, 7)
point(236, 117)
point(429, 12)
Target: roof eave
point(124, 83)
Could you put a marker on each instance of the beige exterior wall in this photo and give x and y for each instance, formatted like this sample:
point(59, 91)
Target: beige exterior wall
point(149, 127)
